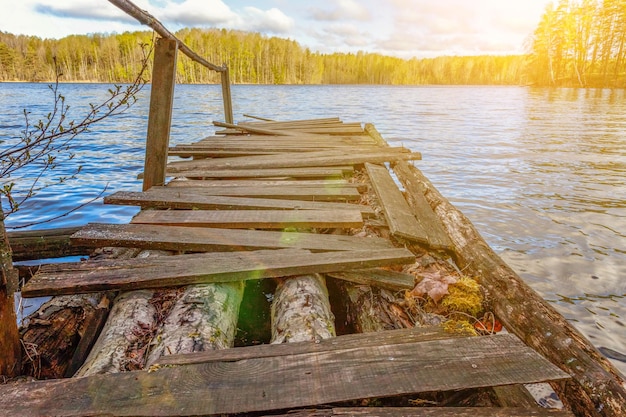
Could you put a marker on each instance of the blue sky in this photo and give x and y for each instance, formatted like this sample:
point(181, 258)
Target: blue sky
point(404, 28)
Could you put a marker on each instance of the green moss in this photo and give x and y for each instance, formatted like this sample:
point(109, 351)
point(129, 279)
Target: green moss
point(464, 297)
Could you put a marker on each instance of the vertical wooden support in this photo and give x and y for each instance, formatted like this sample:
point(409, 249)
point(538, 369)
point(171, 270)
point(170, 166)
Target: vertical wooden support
point(228, 101)
point(160, 118)
point(10, 349)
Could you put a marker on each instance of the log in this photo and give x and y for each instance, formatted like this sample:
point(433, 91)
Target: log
point(44, 244)
point(597, 387)
point(204, 318)
point(301, 310)
point(131, 317)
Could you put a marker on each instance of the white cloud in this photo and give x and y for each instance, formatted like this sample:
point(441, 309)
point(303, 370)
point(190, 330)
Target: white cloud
point(341, 10)
point(272, 20)
point(198, 13)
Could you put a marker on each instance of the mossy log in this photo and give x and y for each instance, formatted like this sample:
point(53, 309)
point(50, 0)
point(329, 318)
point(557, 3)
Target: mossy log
point(43, 244)
point(596, 386)
point(301, 310)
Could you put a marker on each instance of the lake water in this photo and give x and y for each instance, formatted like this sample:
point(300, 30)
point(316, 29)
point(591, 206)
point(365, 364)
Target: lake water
point(540, 172)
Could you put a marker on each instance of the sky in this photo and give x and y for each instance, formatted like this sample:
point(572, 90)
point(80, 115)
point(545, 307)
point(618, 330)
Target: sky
point(403, 28)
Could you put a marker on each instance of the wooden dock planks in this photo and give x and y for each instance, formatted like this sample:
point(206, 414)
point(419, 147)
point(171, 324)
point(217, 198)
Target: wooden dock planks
point(176, 199)
point(331, 172)
point(400, 218)
point(257, 219)
point(284, 192)
point(282, 382)
point(180, 270)
point(298, 160)
point(204, 239)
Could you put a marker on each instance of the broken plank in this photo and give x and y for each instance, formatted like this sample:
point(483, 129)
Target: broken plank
point(298, 160)
point(382, 278)
point(262, 183)
point(429, 412)
point(307, 172)
point(400, 218)
point(180, 270)
point(217, 153)
point(257, 219)
point(286, 192)
point(204, 239)
point(288, 381)
point(172, 199)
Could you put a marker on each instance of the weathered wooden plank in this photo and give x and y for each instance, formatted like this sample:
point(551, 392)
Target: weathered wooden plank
point(257, 219)
point(287, 381)
point(340, 183)
point(382, 278)
point(310, 172)
point(170, 199)
point(400, 218)
point(348, 341)
point(217, 153)
point(303, 139)
point(170, 271)
point(45, 243)
point(298, 160)
point(286, 192)
point(429, 412)
point(204, 239)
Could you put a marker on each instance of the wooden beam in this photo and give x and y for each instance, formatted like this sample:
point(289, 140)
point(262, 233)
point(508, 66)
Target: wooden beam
point(10, 346)
point(169, 271)
point(308, 172)
point(160, 116)
point(400, 218)
point(204, 239)
point(253, 219)
point(298, 160)
point(172, 199)
point(43, 244)
point(287, 381)
point(285, 192)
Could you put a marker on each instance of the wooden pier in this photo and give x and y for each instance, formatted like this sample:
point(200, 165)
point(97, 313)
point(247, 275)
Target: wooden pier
point(225, 216)
point(382, 298)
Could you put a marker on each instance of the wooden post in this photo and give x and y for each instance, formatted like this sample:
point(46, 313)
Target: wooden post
point(160, 118)
point(228, 101)
point(10, 349)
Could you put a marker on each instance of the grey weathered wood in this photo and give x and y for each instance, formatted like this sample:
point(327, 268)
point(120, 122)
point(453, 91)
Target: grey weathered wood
point(382, 278)
point(226, 94)
point(204, 239)
point(45, 243)
point(332, 183)
point(286, 192)
point(402, 223)
point(297, 160)
point(160, 116)
point(312, 172)
point(173, 199)
point(597, 388)
point(55, 279)
point(429, 412)
point(257, 219)
point(348, 341)
point(287, 381)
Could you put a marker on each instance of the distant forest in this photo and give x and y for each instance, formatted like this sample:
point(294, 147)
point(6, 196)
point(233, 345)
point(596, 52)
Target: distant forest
point(577, 43)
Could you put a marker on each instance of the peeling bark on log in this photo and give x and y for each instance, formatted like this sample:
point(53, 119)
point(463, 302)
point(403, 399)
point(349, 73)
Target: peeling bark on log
point(597, 388)
point(204, 318)
point(301, 310)
point(52, 333)
point(131, 315)
point(372, 310)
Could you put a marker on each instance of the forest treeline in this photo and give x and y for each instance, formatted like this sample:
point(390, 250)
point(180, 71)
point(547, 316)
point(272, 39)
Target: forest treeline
point(576, 43)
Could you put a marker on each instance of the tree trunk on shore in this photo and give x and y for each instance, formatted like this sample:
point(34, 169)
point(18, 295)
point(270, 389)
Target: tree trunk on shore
point(596, 384)
point(301, 310)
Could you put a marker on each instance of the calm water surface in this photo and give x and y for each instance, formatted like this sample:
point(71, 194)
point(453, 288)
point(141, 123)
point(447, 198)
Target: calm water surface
point(540, 172)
